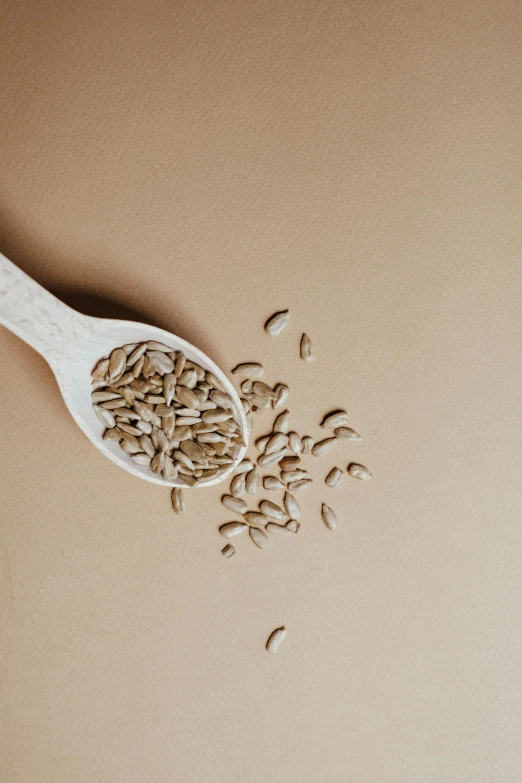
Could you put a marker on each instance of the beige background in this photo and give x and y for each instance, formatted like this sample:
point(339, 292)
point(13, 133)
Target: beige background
point(204, 164)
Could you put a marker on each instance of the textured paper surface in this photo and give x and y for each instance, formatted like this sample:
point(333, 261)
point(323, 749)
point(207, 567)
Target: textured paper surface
point(204, 164)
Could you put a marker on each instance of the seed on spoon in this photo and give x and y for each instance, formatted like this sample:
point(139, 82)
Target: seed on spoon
point(359, 471)
point(101, 370)
point(277, 322)
point(141, 459)
point(117, 362)
point(136, 354)
point(105, 416)
point(113, 433)
point(161, 362)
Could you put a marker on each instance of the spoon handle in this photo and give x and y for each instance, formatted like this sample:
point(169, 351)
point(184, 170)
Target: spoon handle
point(49, 326)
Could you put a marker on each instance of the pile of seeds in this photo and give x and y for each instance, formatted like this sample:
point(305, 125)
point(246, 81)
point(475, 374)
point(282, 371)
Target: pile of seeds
point(166, 413)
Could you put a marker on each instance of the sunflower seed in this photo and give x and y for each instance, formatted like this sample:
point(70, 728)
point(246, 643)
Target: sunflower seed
point(221, 399)
point(158, 462)
point(282, 422)
point(272, 483)
point(252, 481)
point(334, 477)
point(128, 395)
point(345, 433)
point(264, 460)
point(182, 458)
point(278, 530)
point(105, 416)
point(275, 639)
point(246, 405)
point(136, 354)
point(261, 443)
point(180, 364)
point(161, 362)
point(246, 387)
point(281, 394)
point(117, 362)
point(169, 387)
point(188, 479)
point(306, 349)
point(144, 426)
point(255, 518)
point(277, 322)
point(188, 379)
point(217, 415)
point(295, 486)
point(263, 391)
point(244, 466)
point(259, 537)
point(104, 396)
point(293, 525)
point(169, 471)
point(168, 426)
point(272, 510)
point(293, 475)
point(147, 445)
point(192, 450)
point(228, 551)
point(329, 518)
point(138, 367)
point(291, 506)
point(294, 441)
point(213, 381)
point(237, 485)
point(148, 368)
point(155, 399)
point(112, 434)
point(129, 348)
point(289, 463)
point(359, 471)
point(130, 438)
point(231, 529)
point(276, 443)
point(323, 446)
point(248, 370)
point(153, 345)
point(181, 432)
point(101, 370)
point(208, 405)
point(141, 459)
point(335, 419)
point(237, 505)
point(186, 397)
point(187, 420)
point(177, 500)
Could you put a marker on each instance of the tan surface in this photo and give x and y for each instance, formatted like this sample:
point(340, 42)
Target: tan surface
point(204, 164)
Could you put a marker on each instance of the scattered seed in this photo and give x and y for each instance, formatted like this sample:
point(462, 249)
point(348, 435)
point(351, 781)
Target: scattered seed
point(237, 485)
point(345, 433)
point(334, 477)
point(359, 471)
point(261, 442)
point(293, 525)
point(177, 500)
point(294, 475)
point(231, 529)
point(335, 419)
point(264, 460)
point(275, 640)
point(277, 322)
point(276, 443)
point(228, 551)
point(278, 530)
point(252, 481)
point(272, 483)
point(329, 518)
point(289, 463)
point(255, 518)
point(249, 370)
point(291, 506)
point(294, 441)
point(237, 505)
point(323, 446)
point(244, 466)
point(282, 422)
point(259, 537)
point(295, 486)
point(272, 510)
point(246, 387)
point(306, 349)
point(263, 391)
point(281, 394)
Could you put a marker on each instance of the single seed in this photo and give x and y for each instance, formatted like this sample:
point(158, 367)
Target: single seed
point(147, 446)
point(129, 348)
point(306, 349)
point(228, 551)
point(294, 441)
point(278, 530)
point(148, 368)
point(277, 322)
point(249, 370)
point(281, 394)
point(193, 450)
point(291, 506)
point(264, 460)
point(111, 405)
point(188, 379)
point(180, 364)
point(208, 405)
point(282, 422)
point(105, 416)
point(232, 529)
point(244, 466)
point(252, 481)
point(259, 537)
point(141, 458)
point(177, 500)
point(169, 471)
point(334, 477)
point(161, 362)
point(138, 367)
point(183, 460)
point(246, 405)
point(295, 486)
point(237, 505)
point(289, 463)
point(127, 394)
point(169, 387)
point(346, 433)
point(263, 390)
point(359, 472)
point(329, 518)
point(104, 396)
point(168, 426)
point(275, 640)
point(113, 433)
point(213, 381)
point(293, 525)
point(217, 415)
point(261, 442)
point(335, 419)
point(117, 362)
point(158, 462)
point(255, 518)
point(272, 483)
point(145, 426)
point(181, 432)
point(136, 354)
point(101, 370)
point(222, 399)
point(323, 446)
point(187, 420)
point(237, 485)
point(130, 438)
point(294, 475)
point(272, 510)
point(246, 387)
point(276, 443)
point(187, 397)
point(153, 345)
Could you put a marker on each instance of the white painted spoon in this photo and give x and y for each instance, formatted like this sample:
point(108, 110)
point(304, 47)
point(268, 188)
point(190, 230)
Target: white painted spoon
point(73, 343)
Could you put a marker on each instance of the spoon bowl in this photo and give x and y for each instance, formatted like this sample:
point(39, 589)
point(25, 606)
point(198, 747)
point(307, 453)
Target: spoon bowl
point(73, 343)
